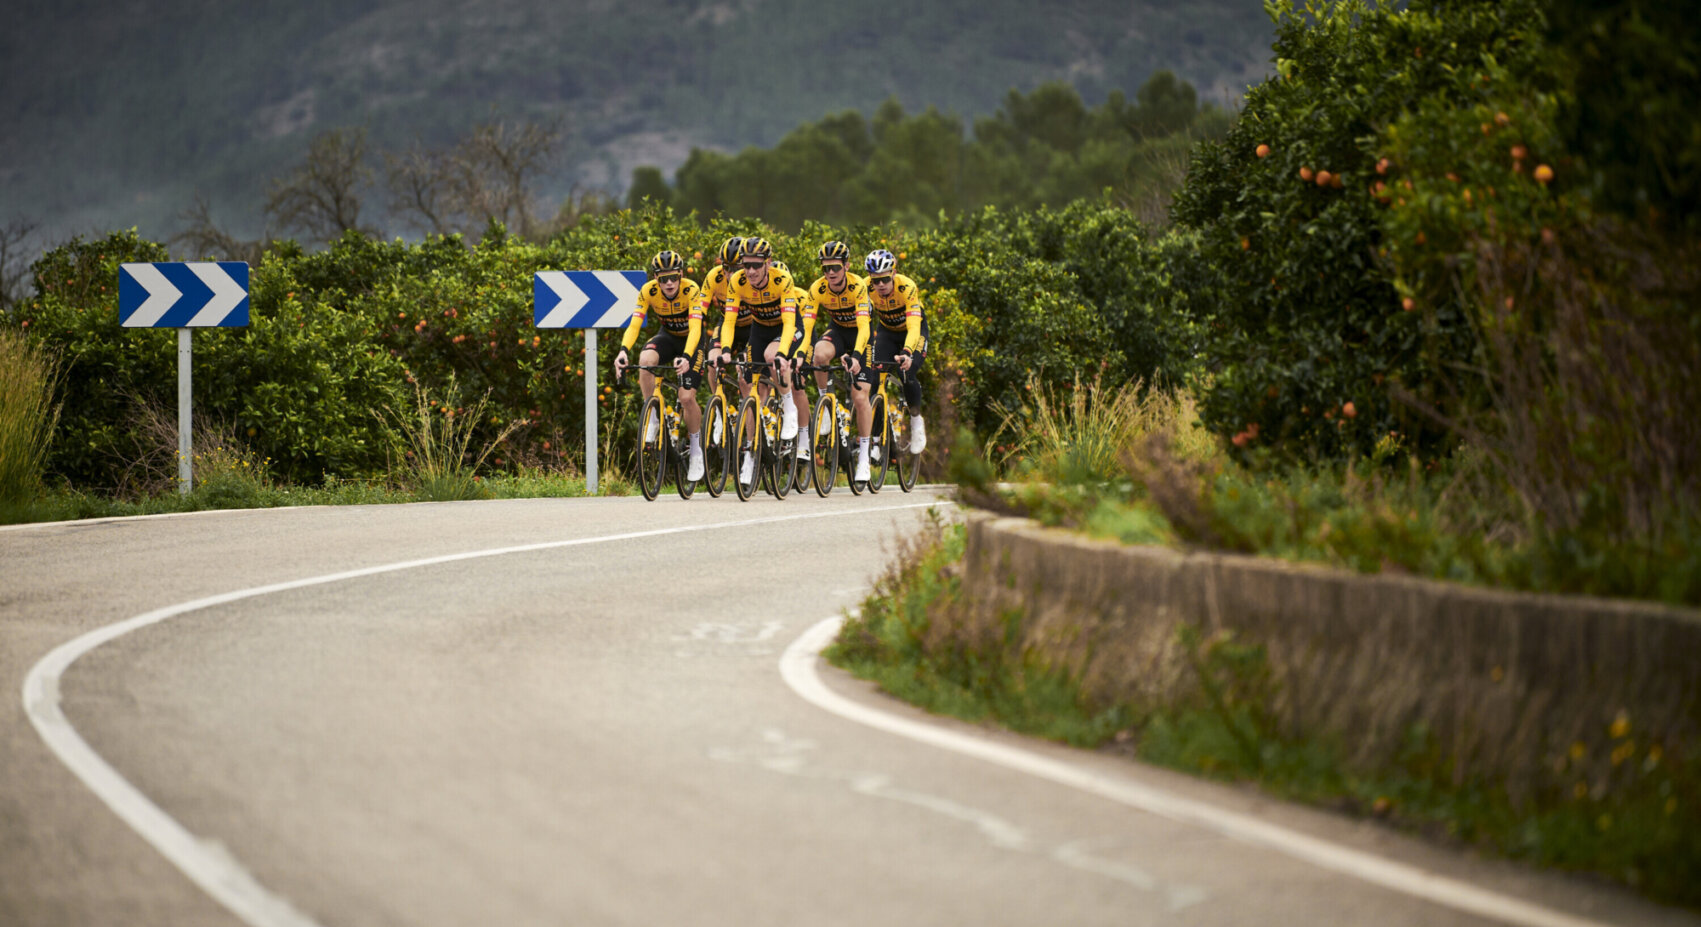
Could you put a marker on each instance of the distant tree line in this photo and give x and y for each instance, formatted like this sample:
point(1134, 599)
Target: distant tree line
point(490, 176)
point(1044, 147)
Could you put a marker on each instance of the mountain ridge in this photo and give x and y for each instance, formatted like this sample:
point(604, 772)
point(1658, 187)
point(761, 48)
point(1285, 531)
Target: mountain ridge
point(121, 115)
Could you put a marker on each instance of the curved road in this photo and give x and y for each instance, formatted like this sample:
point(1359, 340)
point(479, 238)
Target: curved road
point(583, 720)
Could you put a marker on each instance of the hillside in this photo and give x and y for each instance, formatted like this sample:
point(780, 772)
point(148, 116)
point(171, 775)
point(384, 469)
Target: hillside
point(117, 117)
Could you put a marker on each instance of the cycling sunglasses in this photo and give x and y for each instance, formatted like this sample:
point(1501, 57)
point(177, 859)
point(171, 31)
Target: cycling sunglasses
point(887, 278)
point(755, 265)
point(668, 278)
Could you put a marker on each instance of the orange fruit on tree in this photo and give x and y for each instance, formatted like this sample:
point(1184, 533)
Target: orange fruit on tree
point(1305, 173)
point(1518, 152)
point(1323, 178)
point(1544, 173)
point(1349, 411)
point(1246, 244)
point(1336, 182)
point(1408, 304)
point(1263, 151)
point(1382, 166)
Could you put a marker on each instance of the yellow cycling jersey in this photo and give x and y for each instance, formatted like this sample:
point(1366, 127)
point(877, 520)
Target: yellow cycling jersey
point(770, 305)
point(901, 312)
point(681, 315)
point(714, 295)
point(848, 307)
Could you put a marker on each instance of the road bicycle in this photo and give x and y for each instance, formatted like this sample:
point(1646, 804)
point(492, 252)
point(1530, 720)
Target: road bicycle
point(717, 434)
point(757, 434)
point(832, 435)
point(891, 435)
point(662, 442)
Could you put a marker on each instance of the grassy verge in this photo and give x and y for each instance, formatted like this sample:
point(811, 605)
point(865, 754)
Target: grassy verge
point(1134, 465)
point(1629, 817)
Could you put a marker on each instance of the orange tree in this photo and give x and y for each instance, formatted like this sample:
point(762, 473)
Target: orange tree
point(1306, 334)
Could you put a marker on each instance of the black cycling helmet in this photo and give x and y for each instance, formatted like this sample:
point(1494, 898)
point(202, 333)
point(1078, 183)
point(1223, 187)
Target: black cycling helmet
point(667, 262)
point(834, 251)
point(758, 248)
point(731, 250)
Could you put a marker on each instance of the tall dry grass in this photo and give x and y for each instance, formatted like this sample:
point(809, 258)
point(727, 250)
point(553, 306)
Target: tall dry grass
point(1082, 433)
point(438, 460)
point(29, 377)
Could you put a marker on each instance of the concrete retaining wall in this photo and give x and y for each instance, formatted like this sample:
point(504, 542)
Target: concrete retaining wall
point(1507, 682)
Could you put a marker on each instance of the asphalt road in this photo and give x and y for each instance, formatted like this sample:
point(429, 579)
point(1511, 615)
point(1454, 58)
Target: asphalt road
point(584, 723)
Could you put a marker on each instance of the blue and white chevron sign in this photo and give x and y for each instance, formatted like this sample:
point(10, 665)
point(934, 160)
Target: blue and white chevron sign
point(180, 295)
point(585, 298)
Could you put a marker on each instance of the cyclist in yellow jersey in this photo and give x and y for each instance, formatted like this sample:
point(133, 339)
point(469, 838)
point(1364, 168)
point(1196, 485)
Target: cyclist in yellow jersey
point(799, 338)
point(842, 298)
point(713, 299)
point(902, 332)
point(765, 292)
point(676, 304)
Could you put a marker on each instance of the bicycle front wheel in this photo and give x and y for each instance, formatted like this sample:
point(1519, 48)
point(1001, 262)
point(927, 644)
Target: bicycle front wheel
point(652, 454)
point(824, 445)
point(680, 451)
point(784, 458)
point(746, 446)
point(717, 436)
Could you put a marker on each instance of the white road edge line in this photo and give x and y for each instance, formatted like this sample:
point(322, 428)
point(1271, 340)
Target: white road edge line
point(204, 861)
point(798, 669)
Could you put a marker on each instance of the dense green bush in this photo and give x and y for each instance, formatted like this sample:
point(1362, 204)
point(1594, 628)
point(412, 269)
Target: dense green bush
point(338, 336)
point(1305, 317)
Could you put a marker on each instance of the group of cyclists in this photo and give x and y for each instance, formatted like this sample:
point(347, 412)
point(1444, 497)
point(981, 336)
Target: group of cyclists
point(871, 322)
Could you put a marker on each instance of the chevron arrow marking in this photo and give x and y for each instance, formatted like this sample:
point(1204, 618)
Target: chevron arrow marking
point(161, 295)
point(227, 294)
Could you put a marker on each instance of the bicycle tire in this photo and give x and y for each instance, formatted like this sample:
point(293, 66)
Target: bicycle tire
point(652, 455)
point(748, 441)
point(715, 441)
point(681, 459)
point(908, 464)
point(879, 443)
point(824, 450)
point(782, 462)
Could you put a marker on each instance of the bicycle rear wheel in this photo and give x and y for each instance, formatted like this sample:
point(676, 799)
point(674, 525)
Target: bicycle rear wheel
point(716, 437)
point(879, 446)
point(652, 455)
point(908, 464)
point(824, 445)
point(747, 444)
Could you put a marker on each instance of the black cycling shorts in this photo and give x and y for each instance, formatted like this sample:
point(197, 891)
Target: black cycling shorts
point(843, 340)
point(668, 346)
point(887, 345)
point(760, 337)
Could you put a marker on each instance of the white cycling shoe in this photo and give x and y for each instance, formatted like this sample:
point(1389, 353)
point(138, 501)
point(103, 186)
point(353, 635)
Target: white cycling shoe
point(803, 451)
point(747, 470)
point(788, 421)
point(918, 435)
point(862, 473)
point(694, 469)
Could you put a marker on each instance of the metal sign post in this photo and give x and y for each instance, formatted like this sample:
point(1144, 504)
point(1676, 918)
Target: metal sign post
point(587, 299)
point(185, 360)
point(590, 411)
point(184, 296)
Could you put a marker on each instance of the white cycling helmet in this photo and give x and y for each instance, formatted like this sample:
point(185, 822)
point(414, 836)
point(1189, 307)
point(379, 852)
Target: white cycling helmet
point(880, 262)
